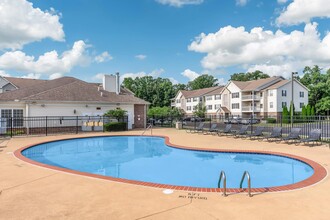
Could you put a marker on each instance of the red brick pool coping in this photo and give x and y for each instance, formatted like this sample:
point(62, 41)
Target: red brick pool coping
point(319, 171)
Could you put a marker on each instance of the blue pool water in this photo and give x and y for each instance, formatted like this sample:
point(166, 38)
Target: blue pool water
point(149, 159)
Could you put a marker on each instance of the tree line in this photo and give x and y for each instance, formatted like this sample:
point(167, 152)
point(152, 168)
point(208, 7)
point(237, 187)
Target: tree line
point(160, 91)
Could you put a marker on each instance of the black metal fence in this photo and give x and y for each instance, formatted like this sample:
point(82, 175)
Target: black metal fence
point(305, 123)
point(48, 125)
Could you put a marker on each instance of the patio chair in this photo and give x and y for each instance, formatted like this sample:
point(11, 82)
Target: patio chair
point(198, 129)
point(275, 135)
point(213, 129)
point(257, 134)
point(226, 130)
point(242, 132)
point(313, 137)
point(293, 136)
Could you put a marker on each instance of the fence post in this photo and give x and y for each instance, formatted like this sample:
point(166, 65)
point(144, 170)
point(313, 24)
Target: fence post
point(11, 127)
point(103, 123)
point(77, 124)
point(281, 118)
point(46, 125)
point(251, 123)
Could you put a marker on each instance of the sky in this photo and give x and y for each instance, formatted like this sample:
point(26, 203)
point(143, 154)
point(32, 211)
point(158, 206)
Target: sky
point(174, 39)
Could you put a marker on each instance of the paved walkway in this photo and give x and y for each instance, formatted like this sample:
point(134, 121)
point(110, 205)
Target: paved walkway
point(32, 192)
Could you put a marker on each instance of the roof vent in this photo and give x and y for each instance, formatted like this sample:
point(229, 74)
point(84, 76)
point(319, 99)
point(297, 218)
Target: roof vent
point(101, 94)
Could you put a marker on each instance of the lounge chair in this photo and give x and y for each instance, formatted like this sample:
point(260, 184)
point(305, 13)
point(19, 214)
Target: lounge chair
point(242, 131)
point(198, 129)
point(275, 135)
point(213, 129)
point(257, 133)
point(226, 130)
point(314, 137)
point(293, 136)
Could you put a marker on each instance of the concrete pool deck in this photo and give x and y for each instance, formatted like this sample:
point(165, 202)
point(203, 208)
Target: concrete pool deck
point(32, 192)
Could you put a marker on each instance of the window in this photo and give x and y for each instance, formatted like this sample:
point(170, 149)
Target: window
point(178, 101)
point(284, 104)
point(189, 100)
point(301, 94)
point(188, 108)
point(209, 107)
point(270, 92)
point(217, 97)
point(283, 92)
point(208, 98)
point(195, 99)
point(17, 115)
point(261, 94)
point(301, 104)
point(271, 105)
point(235, 95)
point(200, 99)
point(216, 107)
point(261, 106)
point(194, 107)
point(235, 106)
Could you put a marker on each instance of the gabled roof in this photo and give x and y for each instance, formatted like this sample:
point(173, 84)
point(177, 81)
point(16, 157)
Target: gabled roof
point(69, 89)
point(284, 82)
point(201, 92)
point(23, 82)
point(256, 85)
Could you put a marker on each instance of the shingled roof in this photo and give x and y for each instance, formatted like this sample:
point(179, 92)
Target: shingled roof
point(69, 89)
point(201, 92)
point(23, 82)
point(255, 85)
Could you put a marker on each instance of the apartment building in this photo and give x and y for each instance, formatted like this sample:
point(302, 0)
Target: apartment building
point(260, 98)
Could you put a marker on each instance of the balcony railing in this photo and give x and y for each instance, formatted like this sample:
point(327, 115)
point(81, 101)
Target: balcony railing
point(250, 109)
point(251, 97)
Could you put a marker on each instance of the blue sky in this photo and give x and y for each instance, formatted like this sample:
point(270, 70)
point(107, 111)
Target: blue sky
point(176, 39)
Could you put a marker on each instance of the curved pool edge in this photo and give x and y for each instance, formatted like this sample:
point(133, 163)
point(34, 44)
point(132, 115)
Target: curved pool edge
point(319, 171)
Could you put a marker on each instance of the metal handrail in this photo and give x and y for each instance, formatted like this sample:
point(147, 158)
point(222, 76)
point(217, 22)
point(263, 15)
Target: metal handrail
point(246, 174)
point(223, 176)
point(149, 127)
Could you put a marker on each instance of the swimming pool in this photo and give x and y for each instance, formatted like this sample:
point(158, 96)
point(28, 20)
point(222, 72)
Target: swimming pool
point(143, 159)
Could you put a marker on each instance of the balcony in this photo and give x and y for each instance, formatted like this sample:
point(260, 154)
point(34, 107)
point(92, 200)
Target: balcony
point(251, 97)
point(250, 109)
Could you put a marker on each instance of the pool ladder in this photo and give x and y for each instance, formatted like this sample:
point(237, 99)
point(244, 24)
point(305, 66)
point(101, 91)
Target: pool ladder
point(149, 127)
point(223, 177)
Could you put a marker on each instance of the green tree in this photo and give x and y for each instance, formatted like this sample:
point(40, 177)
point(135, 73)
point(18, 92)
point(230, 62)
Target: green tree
point(308, 110)
point(178, 87)
point(285, 115)
point(200, 110)
point(313, 111)
point(177, 112)
point(201, 82)
point(159, 111)
point(303, 112)
point(323, 106)
point(116, 113)
point(249, 76)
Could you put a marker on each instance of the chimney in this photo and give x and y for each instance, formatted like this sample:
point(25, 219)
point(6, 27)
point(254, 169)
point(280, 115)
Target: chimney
point(109, 83)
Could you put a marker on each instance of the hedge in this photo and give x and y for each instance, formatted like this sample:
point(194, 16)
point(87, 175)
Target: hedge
point(115, 126)
point(271, 120)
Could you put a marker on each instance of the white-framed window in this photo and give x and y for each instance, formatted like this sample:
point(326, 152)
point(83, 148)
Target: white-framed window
point(261, 94)
point(301, 104)
point(270, 93)
point(209, 107)
point(17, 115)
point(194, 107)
point(178, 101)
point(195, 99)
point(271, 105)
point(209, 98)
point(235, 95)
point(283, 92)
point(284, 104)
point(301, 94)
point(261, 106)
point(188, 108)
point(217, 97)
point(188, 99)
point(217, 106)
point(235, 106)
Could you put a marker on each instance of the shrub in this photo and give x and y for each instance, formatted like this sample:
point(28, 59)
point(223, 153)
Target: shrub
point(271, 120)
point(115, 126)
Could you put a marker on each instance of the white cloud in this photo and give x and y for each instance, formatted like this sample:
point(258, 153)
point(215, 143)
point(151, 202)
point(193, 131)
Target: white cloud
point(21, 23)
point(3, 73)
point(155, 73)
point(180, 3)
point(98, 77)
point(300, 11)
point(174, 81)
point(282, 1)
point(191, 75)
point(55, 75)
point(32, 76)
point(141, 57)
point(241, 2)
point(103, 57)
point(49, 63)
point(277, 52)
